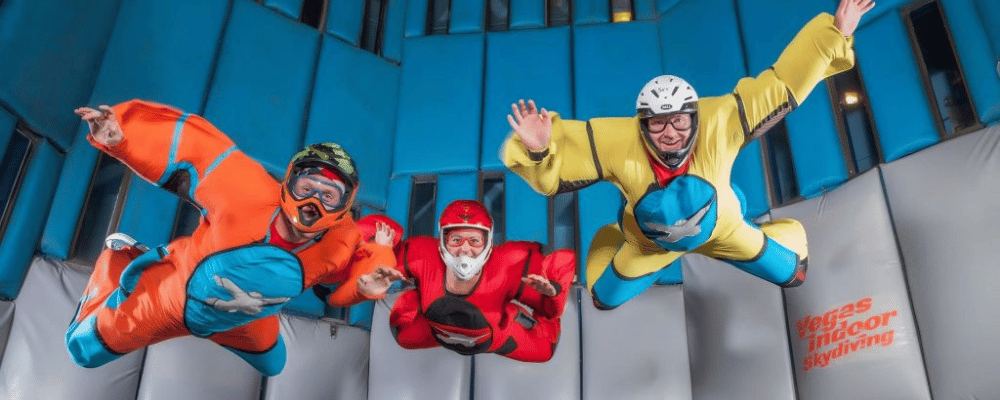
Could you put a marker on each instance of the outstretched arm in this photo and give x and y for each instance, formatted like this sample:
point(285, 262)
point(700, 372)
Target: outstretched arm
point(169, 148)
point(821, 49)
point(553, 155)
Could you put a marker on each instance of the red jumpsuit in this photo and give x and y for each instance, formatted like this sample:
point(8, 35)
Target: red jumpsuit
point(225, 282)
point(484, 321)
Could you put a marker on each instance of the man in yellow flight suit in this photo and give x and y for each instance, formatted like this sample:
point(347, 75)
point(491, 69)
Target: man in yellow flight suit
point(672, 161)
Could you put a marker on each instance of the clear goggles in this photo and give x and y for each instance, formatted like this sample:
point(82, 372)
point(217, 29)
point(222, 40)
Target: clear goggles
point(308, 183)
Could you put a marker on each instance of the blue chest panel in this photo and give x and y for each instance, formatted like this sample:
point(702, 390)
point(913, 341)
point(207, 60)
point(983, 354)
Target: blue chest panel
point(681, 216)
point(237, 286)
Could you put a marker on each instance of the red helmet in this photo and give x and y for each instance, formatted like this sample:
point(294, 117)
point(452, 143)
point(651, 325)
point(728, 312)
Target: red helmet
point(465, 214)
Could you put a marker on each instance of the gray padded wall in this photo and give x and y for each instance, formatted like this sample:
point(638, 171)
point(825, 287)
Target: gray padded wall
point(855, 288)
point(6, 318)
point(638, 350)
point(193, 368)
point(736, 333)
point(36, 364)
point(501, 378)
point(945, 210)
point(321, 365)
point(396, 373)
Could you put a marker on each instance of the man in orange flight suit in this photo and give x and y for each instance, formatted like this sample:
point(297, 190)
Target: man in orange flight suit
point(259, 242)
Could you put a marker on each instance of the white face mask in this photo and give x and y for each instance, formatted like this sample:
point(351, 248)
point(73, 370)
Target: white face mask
point(463, 266)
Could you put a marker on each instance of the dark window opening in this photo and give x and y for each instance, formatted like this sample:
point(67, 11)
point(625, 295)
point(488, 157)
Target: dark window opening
point(943, 78)
point(563, 232)
point(356, 212)
point(423, 199)
point(14, 165)
point(313, 12)
point(372, 27)
point(558, 12)
point(854, 121)
point(621, 11)
point(491, 194)
point(102, 209)
point(780, 166)
point(438, 17)
point(188, 217)
point(497, 15)
point(564, 227)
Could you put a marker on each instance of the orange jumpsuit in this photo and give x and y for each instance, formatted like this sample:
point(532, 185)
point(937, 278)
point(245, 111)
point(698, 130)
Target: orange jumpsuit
point(224, 282)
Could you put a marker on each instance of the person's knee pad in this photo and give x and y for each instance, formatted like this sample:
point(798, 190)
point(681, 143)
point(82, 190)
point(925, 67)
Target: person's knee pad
point(681, 216)
point(269, 362)
point(670, 275)
point(85, 345)
point(774, 263)
point(613, 289)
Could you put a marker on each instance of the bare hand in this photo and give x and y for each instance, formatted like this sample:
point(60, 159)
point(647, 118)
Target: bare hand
point(533, 128)
point(540, 284)
point(384, 235)
point(849, 13)
point(377, 282)
point(103, 125)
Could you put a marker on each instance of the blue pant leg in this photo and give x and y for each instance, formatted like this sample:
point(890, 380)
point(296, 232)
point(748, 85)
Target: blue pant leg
point(269, 362)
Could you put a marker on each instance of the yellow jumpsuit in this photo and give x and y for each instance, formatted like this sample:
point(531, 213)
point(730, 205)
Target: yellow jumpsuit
point(612, 149)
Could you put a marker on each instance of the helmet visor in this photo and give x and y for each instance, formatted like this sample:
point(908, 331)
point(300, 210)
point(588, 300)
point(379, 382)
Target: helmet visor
point(332, 194)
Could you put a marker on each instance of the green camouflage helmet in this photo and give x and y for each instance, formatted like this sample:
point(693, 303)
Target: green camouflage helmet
point(329, 155)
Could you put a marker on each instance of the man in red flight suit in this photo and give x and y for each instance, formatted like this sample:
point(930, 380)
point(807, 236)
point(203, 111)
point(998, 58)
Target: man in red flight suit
point(466, 290)
point(259, 242)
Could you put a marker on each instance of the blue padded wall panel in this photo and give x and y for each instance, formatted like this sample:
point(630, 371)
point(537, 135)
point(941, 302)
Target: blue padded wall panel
point(663, 5)
point(344, 19)
point(895, 90)
point(598, 206)
point(607, 83)
point(179, 40)
point(440, 101)
point(70, 195)
point(815, 144)
point(527, 211)
point(7, 124)
point(399, 201)
point(149, 212)
point(453, 187)
point(527, 14)
point(27, 220)
point(466, 17)
point(748, 175)
point(707, 55)
point(416, 18)
point(769, 25)
point(512, 73)
point(163, 51)
point(392, 32)
point(976, 56)
point(989, 15)
point(644, 9)
point(52, 52)
point(262, 83)
point(291, 8)
point(591, 12)
point(353, 103)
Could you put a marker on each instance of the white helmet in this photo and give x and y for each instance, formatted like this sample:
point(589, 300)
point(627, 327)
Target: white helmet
point(665, 95)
